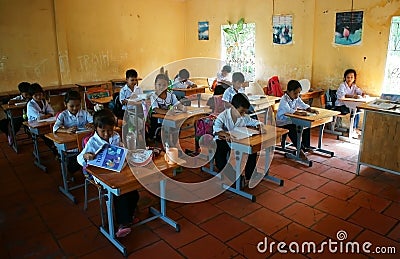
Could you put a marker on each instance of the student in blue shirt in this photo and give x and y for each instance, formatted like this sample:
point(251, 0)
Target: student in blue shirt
point(73, 118)
point(236, 116)
point(131, 89)
point(125, 204)
point(292, 103)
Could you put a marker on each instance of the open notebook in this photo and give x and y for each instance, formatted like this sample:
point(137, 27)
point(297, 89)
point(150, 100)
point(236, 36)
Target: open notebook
point(243, 132)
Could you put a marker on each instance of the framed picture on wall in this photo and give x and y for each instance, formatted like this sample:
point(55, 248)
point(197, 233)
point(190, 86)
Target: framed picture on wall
point(348, 30)
point(203, 31)
point(282, 27)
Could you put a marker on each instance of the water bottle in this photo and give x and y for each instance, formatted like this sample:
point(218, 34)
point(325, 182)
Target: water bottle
point(24, 115)
point(131, 139)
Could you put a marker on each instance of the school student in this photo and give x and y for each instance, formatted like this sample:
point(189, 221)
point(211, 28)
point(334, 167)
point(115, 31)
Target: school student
point(125, 204)
point(24, 94)
point(38, 108)
point(131, 88)
point(236, 116)
point(162, 101)
point(349, 89)
point(223, 77)
point(73, 118)
point(182, 80)
point(237, 87)
point(292, 103)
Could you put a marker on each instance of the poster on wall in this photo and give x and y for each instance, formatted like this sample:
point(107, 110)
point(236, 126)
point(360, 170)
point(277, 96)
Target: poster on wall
point(203, 30)
point(282, 27)
point(348, 30)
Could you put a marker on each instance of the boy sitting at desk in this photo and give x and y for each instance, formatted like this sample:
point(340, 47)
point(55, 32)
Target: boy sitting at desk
point(131, 88)
point(182, 80)
point(292, 103)
point(236, 116)
point(24, 95)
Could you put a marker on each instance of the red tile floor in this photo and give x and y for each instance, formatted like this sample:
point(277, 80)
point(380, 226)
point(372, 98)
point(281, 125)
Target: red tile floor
point(315, 203)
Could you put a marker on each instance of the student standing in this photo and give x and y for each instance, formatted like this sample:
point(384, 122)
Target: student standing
point(292, 103)
point(125, 204)
point(349, 89)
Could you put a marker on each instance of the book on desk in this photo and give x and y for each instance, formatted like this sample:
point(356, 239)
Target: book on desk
point(243, 132)
point(110, 157)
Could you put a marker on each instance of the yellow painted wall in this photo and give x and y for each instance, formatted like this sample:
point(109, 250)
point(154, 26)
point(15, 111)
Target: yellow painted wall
point(60, 42)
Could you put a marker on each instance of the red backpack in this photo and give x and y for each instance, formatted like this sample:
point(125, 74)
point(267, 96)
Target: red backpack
point(274, 87)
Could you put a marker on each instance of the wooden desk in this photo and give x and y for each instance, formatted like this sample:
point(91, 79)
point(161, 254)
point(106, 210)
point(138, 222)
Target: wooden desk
point(38, 128)
point(13, 111)
point(85, 86)
point(262, 104)
point(126, 181)
point(58, 89)
point(250, 145)
point(103, 100)
point(311, 121)
point(195, 91)
point(379, 147)
point(352, 104)
point(309, 96)
point(66, 143)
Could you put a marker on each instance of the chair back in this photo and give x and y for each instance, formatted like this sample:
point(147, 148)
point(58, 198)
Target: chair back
point(305, 85)
point(82, 138)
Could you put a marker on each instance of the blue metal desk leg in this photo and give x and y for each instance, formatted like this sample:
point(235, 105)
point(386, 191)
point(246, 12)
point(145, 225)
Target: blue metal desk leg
point(321, 135)
point(296, 157)
point(36, 154)
point(238, 173)
point(65, 188)
point(110, 234)
point(266, 169)
point(162, 214)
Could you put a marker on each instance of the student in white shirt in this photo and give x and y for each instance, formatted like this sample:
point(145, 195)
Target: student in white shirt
point(125, 204)
point(349, 89)
point(236, 116)
point(237, 87)
point(182, 80)
point(38, 108)
point(292, 103)
point(24, 94)
point(223, 76)
point(162, 101)
point(73, 118)
point(131, 89)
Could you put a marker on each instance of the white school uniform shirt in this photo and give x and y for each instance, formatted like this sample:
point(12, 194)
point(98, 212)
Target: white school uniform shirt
point(287, 105)
point(34, 111)
point(221, 78)
point(67, 119)
point(126, 92)
point(95, 143)
point(345, 89)
point(230, 92)
point(224, 122)
point(19, 98)
point(157, 102)
point(178, 84)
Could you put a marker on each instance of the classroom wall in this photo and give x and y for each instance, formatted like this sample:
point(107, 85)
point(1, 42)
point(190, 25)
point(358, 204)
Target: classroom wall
point(61, 42)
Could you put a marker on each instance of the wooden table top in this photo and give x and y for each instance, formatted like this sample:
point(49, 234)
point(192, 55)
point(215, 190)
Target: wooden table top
point(271, 134)
point(312, 94)
point(265, 99)
point(358, 100)
point(189, 89)
point(61, 138)
point(323, 113)
point(40, 123)
point(90, 84)
point(12, 106)
point(102, 100)
point(183, 115)
point(125, 181)
point(395, 110)
point(59, 87)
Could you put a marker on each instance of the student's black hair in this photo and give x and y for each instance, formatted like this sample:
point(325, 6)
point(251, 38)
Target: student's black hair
point(131, 73)
point(161, 77)
point(23, 87)
point(227, 68)
point(293, 85)
point(72, 95)
point(102, 118)
point(238, 77)
point(240, 100)
point(349, 71)
point(183, 74)
point(35, 88)
point(219, 89)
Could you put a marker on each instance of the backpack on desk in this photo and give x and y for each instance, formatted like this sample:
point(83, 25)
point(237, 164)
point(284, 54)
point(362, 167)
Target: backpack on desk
point(274, 87)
